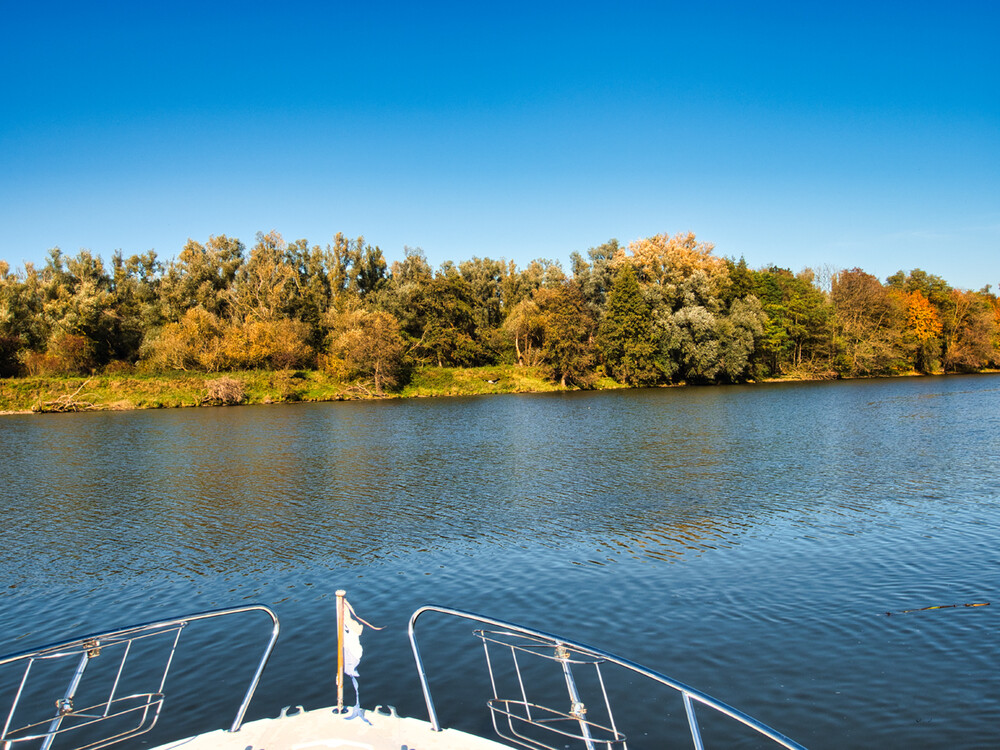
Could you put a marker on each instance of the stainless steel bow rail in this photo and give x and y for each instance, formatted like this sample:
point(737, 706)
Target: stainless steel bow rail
point(585, 724)
point(123, 713)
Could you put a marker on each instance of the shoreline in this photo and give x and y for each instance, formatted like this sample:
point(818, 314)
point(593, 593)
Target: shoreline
point(186, 390)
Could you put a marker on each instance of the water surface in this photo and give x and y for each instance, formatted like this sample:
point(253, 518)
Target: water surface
point(746, 540)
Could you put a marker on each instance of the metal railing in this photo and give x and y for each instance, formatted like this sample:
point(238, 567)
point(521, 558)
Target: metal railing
point(124, 716)
point(520, 720)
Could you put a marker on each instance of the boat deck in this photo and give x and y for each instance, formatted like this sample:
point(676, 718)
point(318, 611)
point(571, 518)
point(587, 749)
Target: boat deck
point(324, 728)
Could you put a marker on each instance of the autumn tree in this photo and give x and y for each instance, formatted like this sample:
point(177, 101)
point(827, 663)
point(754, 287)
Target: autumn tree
point(196, 342)
point(266, 345)
point(367, 343)
point(869, 325)
point(265, 287)
point(934, 289)
point(922, 330)
point(970, 331)
point(524, 326)
point(668, 262)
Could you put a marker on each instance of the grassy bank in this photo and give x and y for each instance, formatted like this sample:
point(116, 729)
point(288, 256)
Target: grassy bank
point(175, 390)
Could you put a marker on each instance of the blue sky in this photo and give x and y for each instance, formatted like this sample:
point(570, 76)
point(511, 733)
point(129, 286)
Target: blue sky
point(798, 134)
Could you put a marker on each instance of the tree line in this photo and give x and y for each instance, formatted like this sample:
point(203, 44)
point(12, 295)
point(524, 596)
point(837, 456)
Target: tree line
point(663, 309)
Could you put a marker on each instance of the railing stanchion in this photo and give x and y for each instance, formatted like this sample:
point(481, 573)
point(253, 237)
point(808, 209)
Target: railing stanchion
point(341, 593)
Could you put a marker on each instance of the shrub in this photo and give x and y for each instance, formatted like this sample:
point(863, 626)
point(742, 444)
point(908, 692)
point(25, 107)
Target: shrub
point(275, 345)
point(192, 343)
point(367, 344)
point(67, 354)
point(224, 391)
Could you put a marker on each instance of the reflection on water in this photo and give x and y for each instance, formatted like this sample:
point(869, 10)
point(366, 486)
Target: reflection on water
point(747, 540)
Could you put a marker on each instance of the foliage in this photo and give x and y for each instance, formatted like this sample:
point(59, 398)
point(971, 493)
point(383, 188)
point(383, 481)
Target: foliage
point(524, 326)
point(626, 333)
point(738, 334)
point(202, 276)
point(922, 331)
point(368, 343)
point(195, 342)
point(969, 332)
point(662, 309)
point(670, 262)
point(10, 347)
point(869, 325)
point(567, 334)
point(796, 328)
point(266, 344)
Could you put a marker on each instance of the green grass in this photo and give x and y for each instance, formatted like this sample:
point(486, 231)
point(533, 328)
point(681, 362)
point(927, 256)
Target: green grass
point(183, 389)
point(475, 381)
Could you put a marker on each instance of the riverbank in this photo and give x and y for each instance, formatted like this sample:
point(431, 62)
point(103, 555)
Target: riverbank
point(122, 392)
point(125, 392)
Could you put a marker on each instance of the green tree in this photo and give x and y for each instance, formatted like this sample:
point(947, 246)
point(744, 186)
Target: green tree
point(797, 329)
point(524, 326)
point(13, 317)
point(626, 332)
point(76, 320)
point(596, 276)
point(313, 286)
point(202, 276)
point(135, 291)
point(568, 333)
point(266, 286)
point(448, 329)
point(739, 333)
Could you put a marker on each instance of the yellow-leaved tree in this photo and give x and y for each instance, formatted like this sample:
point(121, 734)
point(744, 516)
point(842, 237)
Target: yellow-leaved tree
point(669, 261)
point(367, 343)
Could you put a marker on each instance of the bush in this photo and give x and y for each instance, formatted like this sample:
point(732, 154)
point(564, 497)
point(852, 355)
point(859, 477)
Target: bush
point(67, 354)
point(273, 345)
point(367, 344)
point(192, 343)
point(224, 391)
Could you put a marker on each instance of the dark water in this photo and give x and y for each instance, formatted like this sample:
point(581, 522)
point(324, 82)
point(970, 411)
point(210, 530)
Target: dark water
point(748, 541)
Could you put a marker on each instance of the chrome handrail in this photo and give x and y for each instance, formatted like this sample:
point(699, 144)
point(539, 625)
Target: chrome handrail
point(90, 647)
point(563, 649)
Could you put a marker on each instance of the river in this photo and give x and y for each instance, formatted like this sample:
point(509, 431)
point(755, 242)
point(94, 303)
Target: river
point(747, 540)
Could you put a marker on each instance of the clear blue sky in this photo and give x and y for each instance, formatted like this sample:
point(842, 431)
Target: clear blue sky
point(795, 133)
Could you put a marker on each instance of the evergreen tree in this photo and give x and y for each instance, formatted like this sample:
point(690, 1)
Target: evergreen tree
point(625, 335)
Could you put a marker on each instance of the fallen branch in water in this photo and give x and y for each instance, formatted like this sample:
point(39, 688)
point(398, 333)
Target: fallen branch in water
point(939, 606)
point(66, 403)
point(358, 389)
